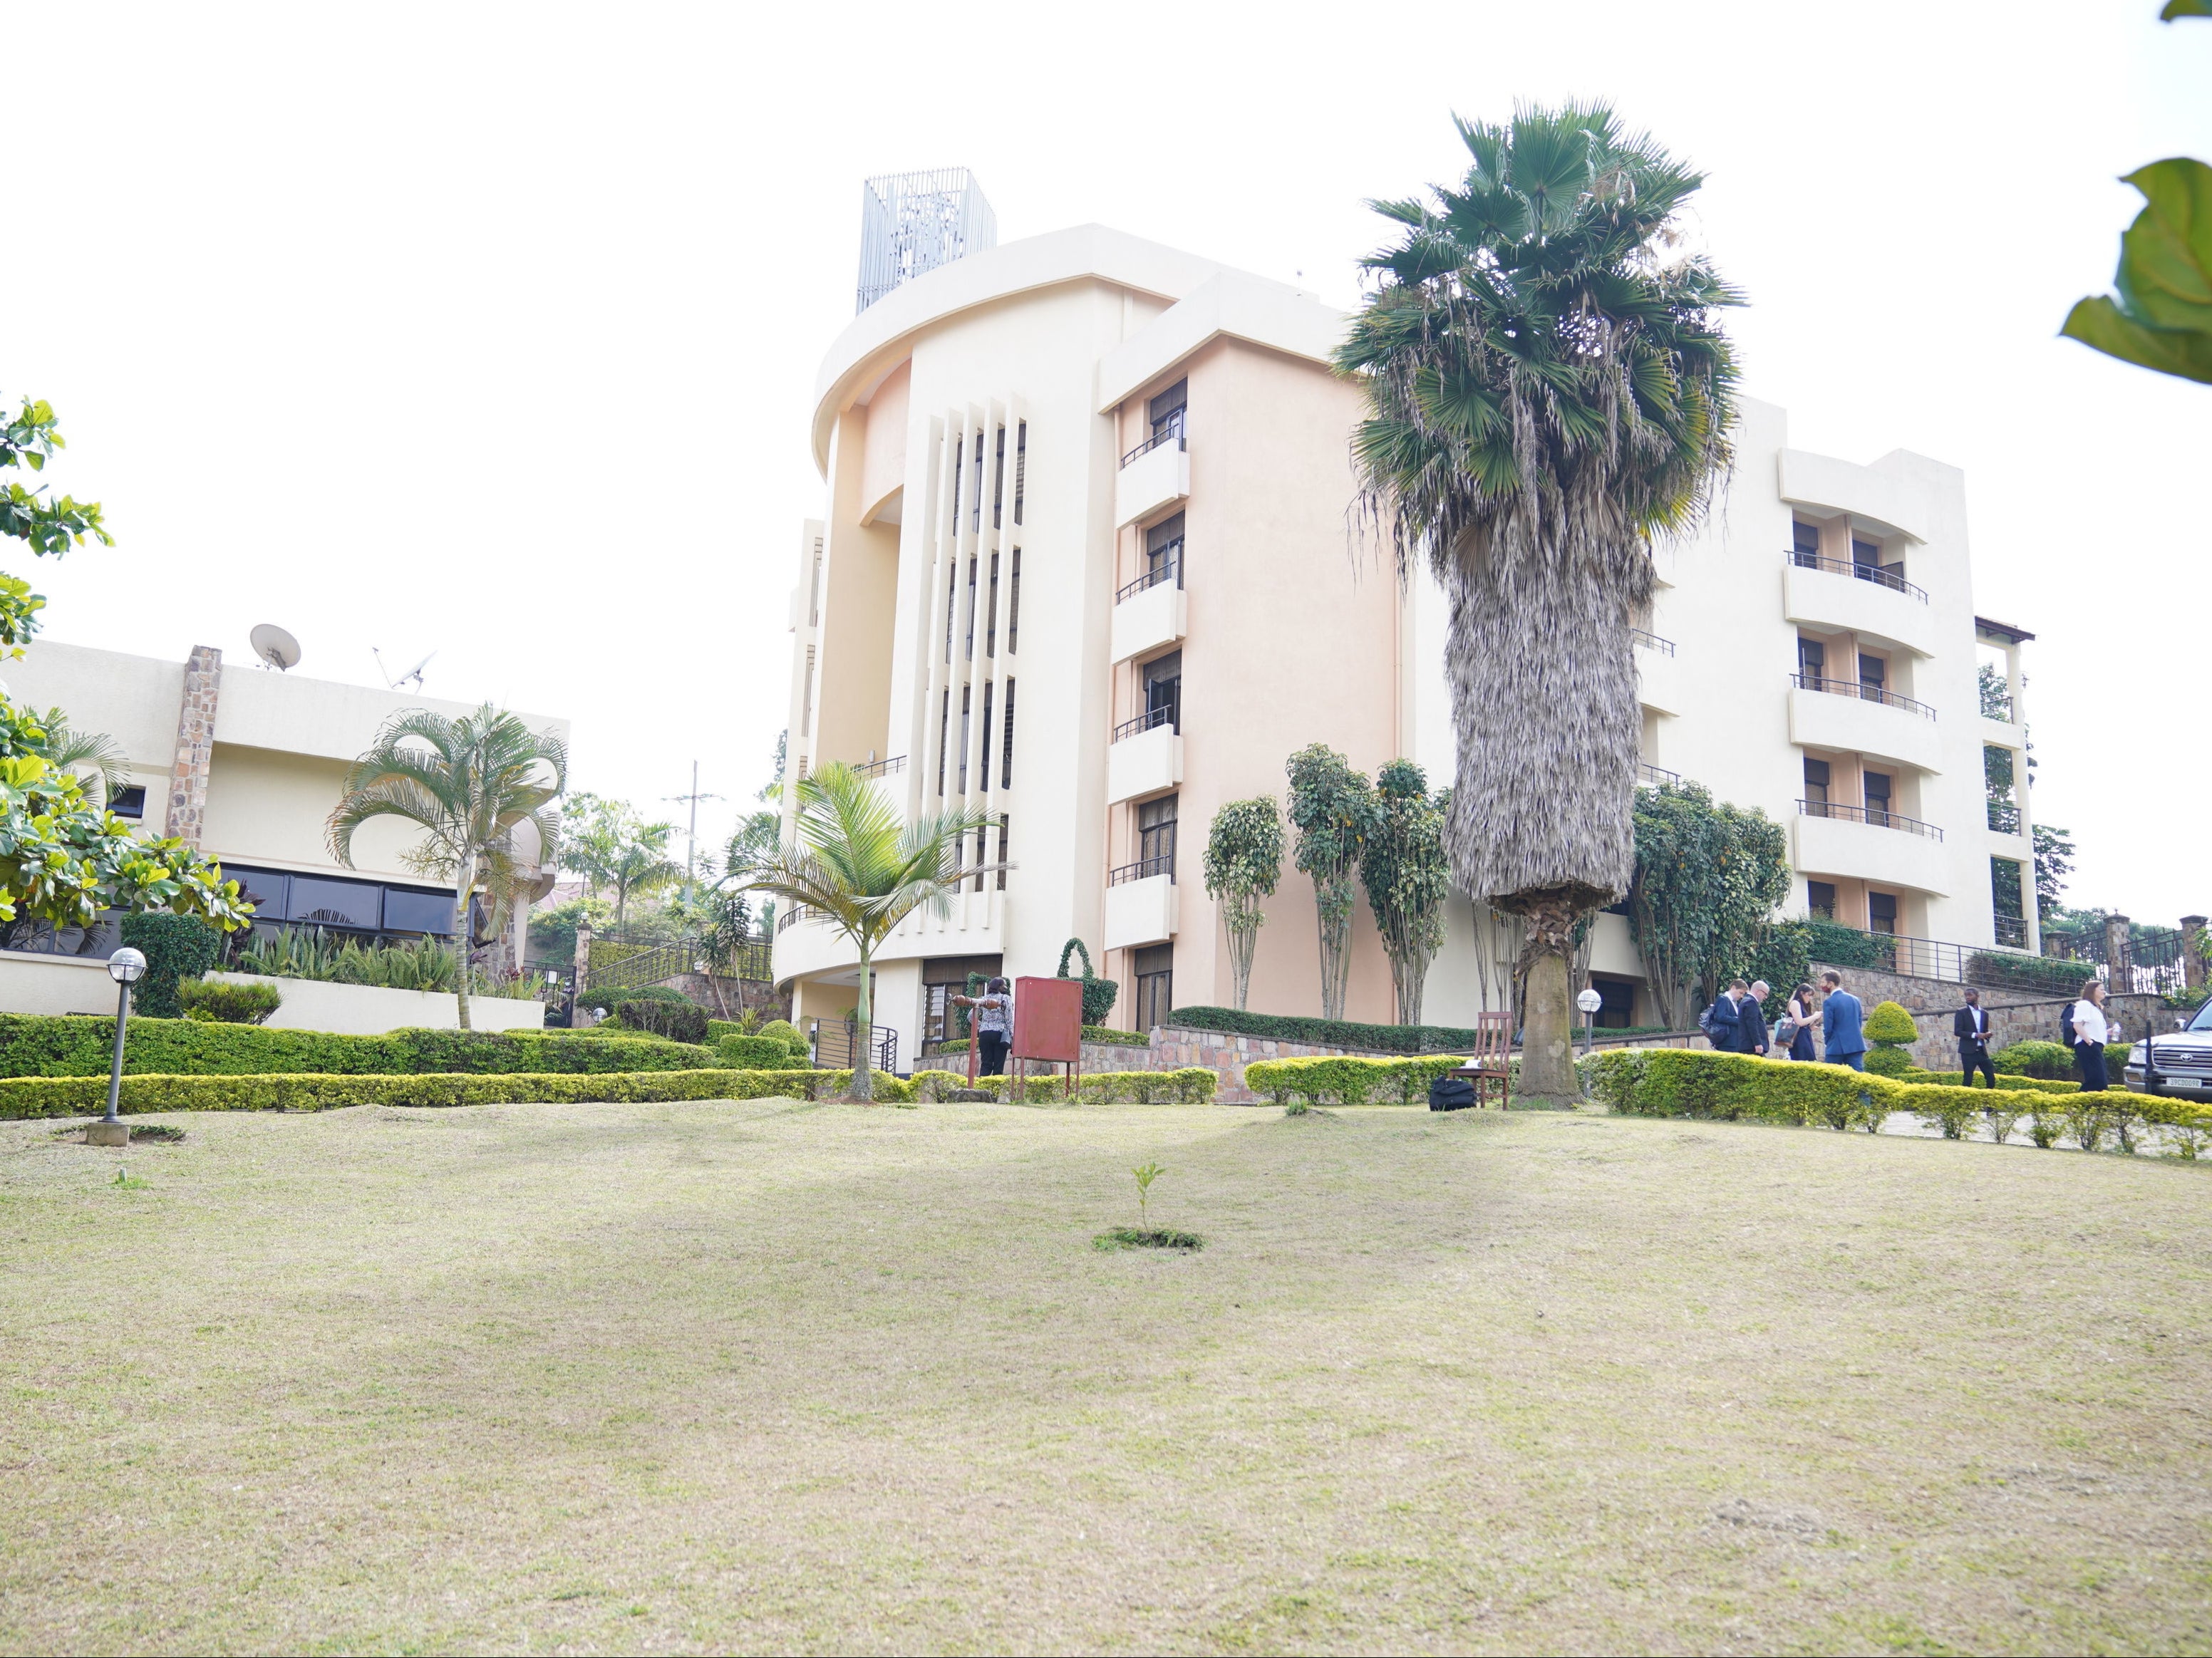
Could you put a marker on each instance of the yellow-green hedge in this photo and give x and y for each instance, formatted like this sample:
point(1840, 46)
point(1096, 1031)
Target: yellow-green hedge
point(70, 1097)
point(1345, 1080)
point(1191, 1085)
point(1671, 1082)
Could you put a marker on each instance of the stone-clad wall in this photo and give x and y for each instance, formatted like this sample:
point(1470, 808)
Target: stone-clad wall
point(2015, 1015)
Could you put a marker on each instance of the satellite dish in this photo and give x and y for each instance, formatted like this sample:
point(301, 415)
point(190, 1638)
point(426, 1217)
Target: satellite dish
point(413, 676)
point(276, 647)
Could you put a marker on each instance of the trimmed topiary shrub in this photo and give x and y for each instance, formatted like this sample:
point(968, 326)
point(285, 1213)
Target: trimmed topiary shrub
point(2034, 1058)
point(70, 1097)
point(758, 1053)
point(220, 1002)
point(1098, 993)
point(176, 947)
point(792, 1036)
point(1889, 1028)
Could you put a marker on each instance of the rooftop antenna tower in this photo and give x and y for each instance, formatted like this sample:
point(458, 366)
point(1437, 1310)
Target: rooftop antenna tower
point(912, 222)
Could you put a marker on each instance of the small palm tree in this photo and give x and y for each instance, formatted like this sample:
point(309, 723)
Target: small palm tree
point(1548, 389)
point(467, 784)
point(858, 868)
point(641, 866)
point(88, 755)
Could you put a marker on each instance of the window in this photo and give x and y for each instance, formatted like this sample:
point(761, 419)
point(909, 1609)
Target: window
point(1154, 968)
point(1882, 912)
point(984, 754)
point(1163, 691)
point(1816, 788)
point(958, 467)
point(952, 602)
point(336, 903)
point(1021, 466)
point(1812, 658)
point(1167, 411)
point(998, 478)
point(968, 651)
point(1164, 552)
point(946, 976)
point(976, 512)
point(1873, 673)
point(1866, 555)
point(1014, 603)
point(1805, 545)
point(1006, 829)
point(411, 909)
point(967, 702)
point(1156, 836)
point(814, 580)
point(1007, 741)
point(991, 616)
point(266, 890)
point(129, 803)
point(1877, 796)
point(1616, 1004)
point(1821, 900)
point(943, 731)
point(806, 705)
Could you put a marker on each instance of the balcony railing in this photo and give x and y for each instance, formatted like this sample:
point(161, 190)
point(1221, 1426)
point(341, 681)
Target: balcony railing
point(1873, 573)
point(1865, 693)
point(1877, 815)
point(1650, 641)
point(1171, 571)
point(836, 1042)
point(1143, 870)
point(1656, 775)
point(787, 919)
point(1157, 440)
point(1144, 722)
point(881, 767)
point(2011, 930)
point(2004, 818)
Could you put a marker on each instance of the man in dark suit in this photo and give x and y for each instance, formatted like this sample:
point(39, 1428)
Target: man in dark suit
point(1842, 1021)
point(1750, 1036)
point(1970, 1025)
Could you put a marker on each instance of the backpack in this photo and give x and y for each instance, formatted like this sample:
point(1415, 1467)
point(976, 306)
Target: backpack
point(2066, 1025)
point(1705, 1024)
point(1450, 1093)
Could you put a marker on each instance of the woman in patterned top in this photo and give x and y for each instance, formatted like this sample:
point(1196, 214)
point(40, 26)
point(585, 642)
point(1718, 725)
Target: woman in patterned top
point(994, 1025)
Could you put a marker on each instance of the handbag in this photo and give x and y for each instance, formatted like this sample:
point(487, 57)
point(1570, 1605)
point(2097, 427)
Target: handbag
point(1785, 1031)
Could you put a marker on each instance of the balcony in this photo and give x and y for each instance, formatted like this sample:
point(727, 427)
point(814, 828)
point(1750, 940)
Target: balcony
point(1151, 612)
point(1841, 713)
point(1838, 596)
point(1658, 675)
point(1884, 847)
point(1140, 904)
point(881, 767)
point(1655, 776)
point(1145, 757)
point(1153, 475)
point(2004, 817)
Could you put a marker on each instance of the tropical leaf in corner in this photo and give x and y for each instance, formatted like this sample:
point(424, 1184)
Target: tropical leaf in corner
point(2163, 317)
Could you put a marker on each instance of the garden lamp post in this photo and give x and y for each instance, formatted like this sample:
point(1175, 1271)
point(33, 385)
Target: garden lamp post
point(125, 967)
point(1590, 1001)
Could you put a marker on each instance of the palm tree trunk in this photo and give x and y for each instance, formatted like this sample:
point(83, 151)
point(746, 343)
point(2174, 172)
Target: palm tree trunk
point(461, 938)
point(1548, 1032)
point(863, 1088)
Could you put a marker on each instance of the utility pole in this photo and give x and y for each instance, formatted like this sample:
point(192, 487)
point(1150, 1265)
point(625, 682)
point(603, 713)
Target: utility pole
point(691, 836)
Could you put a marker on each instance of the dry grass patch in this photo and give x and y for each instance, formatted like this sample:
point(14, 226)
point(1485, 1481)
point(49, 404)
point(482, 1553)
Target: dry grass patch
point(769, 1375)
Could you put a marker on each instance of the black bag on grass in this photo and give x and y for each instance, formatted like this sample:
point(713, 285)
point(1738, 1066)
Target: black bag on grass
point(1450, 1093)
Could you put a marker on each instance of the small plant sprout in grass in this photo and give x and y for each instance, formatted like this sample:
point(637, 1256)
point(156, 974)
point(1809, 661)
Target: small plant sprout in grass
point(129, 1181)
point(1145, 1236)
point(1145, 1175)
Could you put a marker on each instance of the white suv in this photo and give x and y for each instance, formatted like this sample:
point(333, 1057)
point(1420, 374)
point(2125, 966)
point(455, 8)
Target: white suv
point(2184, 1060)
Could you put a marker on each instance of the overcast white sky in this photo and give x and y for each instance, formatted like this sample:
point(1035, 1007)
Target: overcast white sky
point(492, 330)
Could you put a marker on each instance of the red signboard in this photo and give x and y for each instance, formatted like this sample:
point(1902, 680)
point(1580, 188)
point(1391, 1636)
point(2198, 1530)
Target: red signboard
point(1048, 1020)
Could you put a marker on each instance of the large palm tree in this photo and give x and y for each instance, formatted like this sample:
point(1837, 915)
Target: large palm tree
point(857, 867)
point(467, 784)
point(1549, 388)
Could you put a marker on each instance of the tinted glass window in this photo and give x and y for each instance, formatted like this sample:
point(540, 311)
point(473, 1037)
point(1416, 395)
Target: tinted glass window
point(334, 903)
point(129, 803)
point(407, 911)
point(266, 889)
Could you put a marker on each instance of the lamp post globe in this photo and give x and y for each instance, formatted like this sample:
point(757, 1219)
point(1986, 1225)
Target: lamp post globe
point(126, 966)
point(1590, 1001)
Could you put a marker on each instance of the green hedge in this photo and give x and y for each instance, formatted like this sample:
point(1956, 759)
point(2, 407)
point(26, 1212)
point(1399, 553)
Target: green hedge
point(1325, 1033)
point(176, 948)
point(68, 1044)
point(1685, 1082)
point(1348, 1081)
point(67, 1096)
point(758, 1053)
point(2010, 971)
point(1191, 1085)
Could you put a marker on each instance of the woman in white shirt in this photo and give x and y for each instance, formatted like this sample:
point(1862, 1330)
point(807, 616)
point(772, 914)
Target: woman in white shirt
point(2092, 1030)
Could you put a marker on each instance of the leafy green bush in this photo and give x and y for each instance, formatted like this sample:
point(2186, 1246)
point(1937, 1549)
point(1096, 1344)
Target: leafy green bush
point(1686, 1083)
point(2007, 1081)
point(68, 1096)
point(1891, 1026)
point(680, 1021)
point(176, 948)
point(1325, 1033)
point(1348, 1080)
point(790, 1033)
point(1191, 1085)
point(1099, 1033)
point(68, 1044)
point(1888, 1061)
point(2006, 968)
point(758, 1053)
point(222, 1002)
point(1098, 993)
point(2034, 1058)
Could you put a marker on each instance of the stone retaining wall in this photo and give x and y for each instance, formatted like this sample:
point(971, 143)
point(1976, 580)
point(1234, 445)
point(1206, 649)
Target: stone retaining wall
point(2015, 1016)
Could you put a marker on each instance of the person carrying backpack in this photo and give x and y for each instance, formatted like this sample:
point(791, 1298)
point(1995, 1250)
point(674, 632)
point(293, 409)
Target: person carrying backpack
point(1721, 1022)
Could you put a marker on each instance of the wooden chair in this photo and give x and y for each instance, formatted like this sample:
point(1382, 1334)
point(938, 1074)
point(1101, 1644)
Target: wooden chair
point(1491, 1065)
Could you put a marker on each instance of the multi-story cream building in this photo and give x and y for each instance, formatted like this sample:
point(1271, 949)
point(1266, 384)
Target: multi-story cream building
point(1090, 560)
point(246, 763)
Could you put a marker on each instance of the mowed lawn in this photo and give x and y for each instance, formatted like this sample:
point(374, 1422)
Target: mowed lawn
point(771, 1376)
